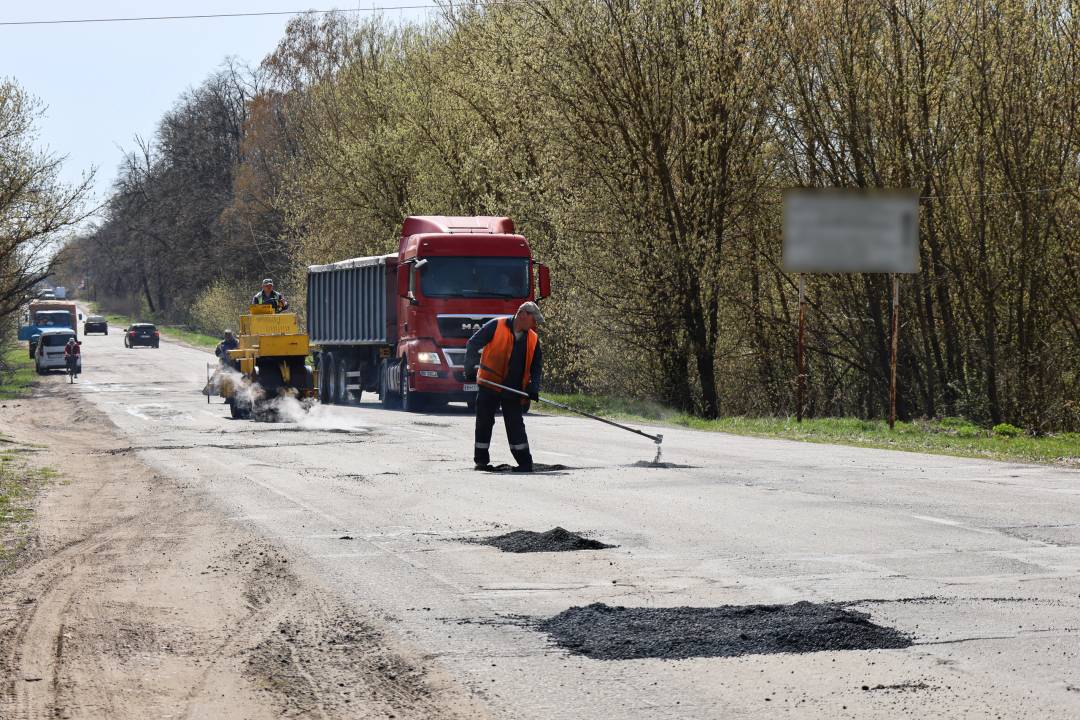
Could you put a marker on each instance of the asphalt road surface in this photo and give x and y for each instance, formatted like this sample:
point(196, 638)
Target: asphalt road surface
point(976, 561)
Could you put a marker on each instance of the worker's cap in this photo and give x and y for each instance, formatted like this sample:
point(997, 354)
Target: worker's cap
point(228, 333)
point(268, 281)
point(533, 309)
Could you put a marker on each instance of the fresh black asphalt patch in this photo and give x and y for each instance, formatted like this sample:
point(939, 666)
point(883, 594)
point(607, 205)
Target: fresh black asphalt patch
point(554, 540)
point(661, 465)
point(537, 468)
point(603, 632)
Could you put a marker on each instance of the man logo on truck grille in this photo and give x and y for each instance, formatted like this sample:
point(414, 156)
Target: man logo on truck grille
point(473, 327)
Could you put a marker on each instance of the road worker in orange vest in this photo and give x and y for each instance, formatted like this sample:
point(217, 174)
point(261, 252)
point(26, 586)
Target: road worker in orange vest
point(511, 357)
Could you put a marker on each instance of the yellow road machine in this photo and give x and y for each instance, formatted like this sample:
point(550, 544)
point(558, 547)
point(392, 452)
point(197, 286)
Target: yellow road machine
point(269, 363)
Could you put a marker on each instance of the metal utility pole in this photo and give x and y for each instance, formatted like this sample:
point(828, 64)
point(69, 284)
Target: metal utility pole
point(800, 352)
point(892, 355)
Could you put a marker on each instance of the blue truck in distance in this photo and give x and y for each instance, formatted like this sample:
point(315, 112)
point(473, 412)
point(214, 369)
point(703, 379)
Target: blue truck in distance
point(48, 315)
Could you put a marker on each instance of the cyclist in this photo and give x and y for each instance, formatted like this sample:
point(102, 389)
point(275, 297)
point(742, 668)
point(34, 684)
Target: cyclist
point(72, 354)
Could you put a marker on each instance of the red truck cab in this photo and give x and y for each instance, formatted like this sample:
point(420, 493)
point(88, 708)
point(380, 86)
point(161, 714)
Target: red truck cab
point(455, 274)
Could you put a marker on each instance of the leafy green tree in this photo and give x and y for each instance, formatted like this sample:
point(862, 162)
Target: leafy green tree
point(37, 209)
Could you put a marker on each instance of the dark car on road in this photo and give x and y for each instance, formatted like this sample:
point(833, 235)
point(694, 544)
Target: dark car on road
point(95, 324)
point(141, 334)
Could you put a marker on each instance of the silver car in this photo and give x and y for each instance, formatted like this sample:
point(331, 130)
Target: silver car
point(50, 350)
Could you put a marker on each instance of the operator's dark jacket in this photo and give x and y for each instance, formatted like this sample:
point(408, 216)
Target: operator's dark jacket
point(516, 371)
point(224, 346)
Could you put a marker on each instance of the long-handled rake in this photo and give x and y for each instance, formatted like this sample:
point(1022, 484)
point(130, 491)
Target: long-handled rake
point(658, 439)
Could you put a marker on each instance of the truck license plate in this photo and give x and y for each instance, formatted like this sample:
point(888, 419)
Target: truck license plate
point(470, 387)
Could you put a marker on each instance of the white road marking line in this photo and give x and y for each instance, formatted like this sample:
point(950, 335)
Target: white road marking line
point(954, 523)
point(301, 503)
point(136, 413)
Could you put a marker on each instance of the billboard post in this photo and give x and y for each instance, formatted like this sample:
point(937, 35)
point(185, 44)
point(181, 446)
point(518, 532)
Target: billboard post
point(800, 352)
point(892, 355)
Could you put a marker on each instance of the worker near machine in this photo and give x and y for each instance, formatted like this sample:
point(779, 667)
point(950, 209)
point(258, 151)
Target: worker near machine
point(511, 357)
point(269, 296)
point(229, 342)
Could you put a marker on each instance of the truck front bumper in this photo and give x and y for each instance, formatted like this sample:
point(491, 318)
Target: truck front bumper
point(448, 385)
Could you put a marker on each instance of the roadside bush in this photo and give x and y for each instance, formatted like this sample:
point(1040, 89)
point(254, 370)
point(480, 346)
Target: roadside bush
point(219, 306)
point(958, 427)
point(1007, 430)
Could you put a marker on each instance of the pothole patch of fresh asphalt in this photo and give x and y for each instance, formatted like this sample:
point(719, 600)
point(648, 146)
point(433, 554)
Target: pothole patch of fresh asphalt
point(660, 465)
point(605, 632)
point(537, 468)
point(526, 541)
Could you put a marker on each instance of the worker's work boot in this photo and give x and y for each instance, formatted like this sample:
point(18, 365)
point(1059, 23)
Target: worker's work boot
point(524, 460)
point(481, 459)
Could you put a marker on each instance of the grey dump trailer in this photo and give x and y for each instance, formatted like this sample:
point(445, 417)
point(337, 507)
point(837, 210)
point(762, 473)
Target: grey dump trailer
point(352, 324)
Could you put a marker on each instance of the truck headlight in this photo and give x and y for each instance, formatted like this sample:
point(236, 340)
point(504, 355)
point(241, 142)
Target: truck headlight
point(428, 358)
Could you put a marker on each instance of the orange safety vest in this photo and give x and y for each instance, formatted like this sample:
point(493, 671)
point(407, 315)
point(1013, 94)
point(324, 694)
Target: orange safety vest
point(495, 360)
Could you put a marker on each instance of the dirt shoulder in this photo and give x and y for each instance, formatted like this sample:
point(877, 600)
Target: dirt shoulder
point(138, 599)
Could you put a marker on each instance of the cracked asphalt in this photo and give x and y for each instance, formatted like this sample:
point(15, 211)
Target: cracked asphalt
point(977, 561)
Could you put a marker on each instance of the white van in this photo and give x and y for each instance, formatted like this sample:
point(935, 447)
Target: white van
point(50, 350)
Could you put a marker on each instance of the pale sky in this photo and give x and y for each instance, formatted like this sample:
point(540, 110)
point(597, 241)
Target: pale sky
point(104, 83)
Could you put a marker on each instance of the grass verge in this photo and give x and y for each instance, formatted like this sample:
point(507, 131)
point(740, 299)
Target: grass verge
point(18, 482)
point(946, 436)
point(16, 372)
point(175, 332)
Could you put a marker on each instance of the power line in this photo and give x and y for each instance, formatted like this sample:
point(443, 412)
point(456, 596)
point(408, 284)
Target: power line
point(216, 16)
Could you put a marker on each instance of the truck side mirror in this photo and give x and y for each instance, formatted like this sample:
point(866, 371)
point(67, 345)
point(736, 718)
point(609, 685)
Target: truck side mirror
point(406, 281)
point(545, 280)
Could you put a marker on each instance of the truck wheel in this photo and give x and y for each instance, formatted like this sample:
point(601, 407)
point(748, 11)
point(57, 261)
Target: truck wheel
point(341, 382)
point(385, 397)
point(328, 378)
point(410, 401)
point(324, 387)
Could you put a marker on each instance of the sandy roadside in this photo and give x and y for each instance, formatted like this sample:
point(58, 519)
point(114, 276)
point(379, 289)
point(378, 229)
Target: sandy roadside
point(140, 600)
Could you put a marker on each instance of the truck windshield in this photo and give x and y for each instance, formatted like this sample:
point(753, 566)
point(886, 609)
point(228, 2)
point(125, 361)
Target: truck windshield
point(52, 318)
point(475, 277)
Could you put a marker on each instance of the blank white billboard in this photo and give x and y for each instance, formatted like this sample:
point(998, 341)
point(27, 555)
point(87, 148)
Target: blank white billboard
point(846, 231)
